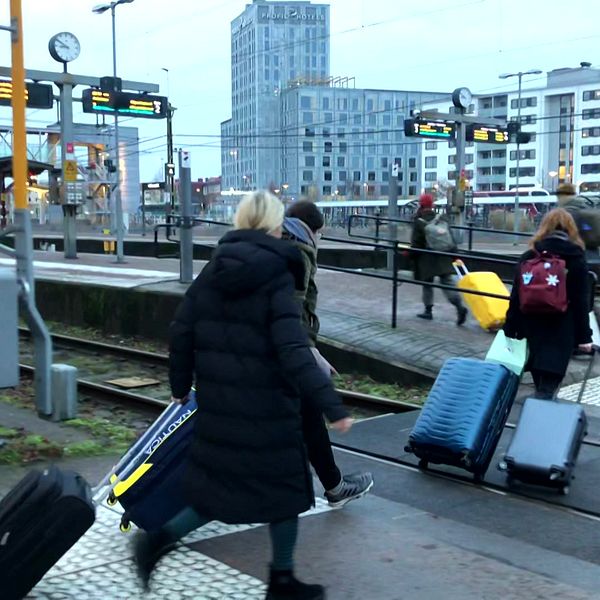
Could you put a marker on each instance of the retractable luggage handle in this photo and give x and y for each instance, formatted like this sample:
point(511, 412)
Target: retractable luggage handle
point(460, 268)
point(588, 372)
point(105, 486)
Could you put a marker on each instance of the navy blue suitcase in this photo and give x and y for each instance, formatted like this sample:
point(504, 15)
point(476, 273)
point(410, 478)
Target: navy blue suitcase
point(464, 415)
point(150, 487)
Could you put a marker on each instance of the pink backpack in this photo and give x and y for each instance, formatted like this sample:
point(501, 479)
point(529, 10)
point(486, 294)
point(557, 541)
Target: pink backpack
point(543, 285)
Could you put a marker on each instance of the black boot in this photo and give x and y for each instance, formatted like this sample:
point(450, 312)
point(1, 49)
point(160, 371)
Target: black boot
point(284, 586)
point(427, 315)
point(461, 315)
point(148, 548)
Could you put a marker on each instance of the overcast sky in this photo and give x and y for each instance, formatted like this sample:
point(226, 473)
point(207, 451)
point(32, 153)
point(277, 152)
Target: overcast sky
point(390, 44)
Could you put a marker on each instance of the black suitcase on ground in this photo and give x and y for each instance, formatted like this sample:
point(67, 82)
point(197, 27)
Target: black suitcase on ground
point(40, 519)
point(546, 442)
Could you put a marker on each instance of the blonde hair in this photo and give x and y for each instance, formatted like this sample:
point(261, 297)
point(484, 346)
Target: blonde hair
point(558, 219)
point(259, 210)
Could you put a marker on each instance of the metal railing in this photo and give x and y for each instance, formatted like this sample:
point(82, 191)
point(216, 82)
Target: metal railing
point(394, 276)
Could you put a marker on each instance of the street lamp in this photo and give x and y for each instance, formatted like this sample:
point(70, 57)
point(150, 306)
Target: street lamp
point(98, 10)
point(552, 175)
point(520, 76)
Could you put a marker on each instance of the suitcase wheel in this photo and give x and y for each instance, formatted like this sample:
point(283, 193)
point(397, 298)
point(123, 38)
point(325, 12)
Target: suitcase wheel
point(111, 500)
point(423, 464)
point(125, 526)
point(564, 490)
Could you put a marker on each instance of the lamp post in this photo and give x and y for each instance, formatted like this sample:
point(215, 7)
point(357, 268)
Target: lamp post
point(552, 175)
point(100, 9)
point(520, 76)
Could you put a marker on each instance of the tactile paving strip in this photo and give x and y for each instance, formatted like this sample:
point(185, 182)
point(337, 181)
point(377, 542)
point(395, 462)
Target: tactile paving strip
point(591, 395)
point(100, 566)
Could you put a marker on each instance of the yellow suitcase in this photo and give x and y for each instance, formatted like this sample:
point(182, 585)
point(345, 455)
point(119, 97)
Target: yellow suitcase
point(489, 312)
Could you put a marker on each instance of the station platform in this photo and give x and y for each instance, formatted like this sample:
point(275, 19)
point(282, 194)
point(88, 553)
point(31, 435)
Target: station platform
point(414, 536)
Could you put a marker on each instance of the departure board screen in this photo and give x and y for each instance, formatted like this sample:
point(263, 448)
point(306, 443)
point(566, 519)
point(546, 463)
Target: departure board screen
point(37, 95)
point(432, 129)
point(123, 103)
point(487, 135)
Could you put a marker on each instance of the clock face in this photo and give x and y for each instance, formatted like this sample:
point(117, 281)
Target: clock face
point(462, 97)
point(64, 47)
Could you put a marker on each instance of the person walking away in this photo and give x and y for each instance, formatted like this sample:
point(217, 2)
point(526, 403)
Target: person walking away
point(549, 302)
point(302, 227)
point(238, 333)
point(432, 232)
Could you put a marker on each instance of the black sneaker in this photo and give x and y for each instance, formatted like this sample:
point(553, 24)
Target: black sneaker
point(462, 315)
point(425, 315)
point(284, 586)
point(354, 486)
point(148, 549)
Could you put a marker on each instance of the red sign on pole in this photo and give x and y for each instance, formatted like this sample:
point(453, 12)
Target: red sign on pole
point(70, 148)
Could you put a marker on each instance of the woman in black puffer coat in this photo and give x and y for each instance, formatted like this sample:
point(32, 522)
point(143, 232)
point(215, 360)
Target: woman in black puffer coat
point(238, 332)
point(553, 337)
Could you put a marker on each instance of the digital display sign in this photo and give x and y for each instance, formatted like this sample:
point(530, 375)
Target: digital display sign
point(487, 135)
point(124, 103)
point(432, 129)
point(37, 95)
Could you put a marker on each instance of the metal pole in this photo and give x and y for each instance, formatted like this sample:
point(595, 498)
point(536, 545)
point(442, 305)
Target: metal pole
point(517, 220)
point(186, 243)
point(459, 196)
point(395, 285)
point(568, 146)
point(23, 234)
point(169, 180)
point(66, 138)
point(118, 204)
point(392, 210)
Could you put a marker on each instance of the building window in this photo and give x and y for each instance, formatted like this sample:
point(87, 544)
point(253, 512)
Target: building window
point(525, 102)
point(309, 132)
point(412, 190)
point(307, 175)
point(590, 113)
point(384, 162)
point(591, 168)
point(590, 132)
point(356, 176)
point(342, 175)
point(430, 163)
point(327, 161)
point(452, 159)
point(341, 161)
point(326, 103)
point(385, 190)
point(413, 176)
point(430, 145)
point(305, 102)
point(412, 163)
point(523, 154)
point(326, 190)
point(307, 146)
point(498, 170)
point(307, 118)
point(591, 95)
point(431, 176)
point(499, 153)
point(523, 172)
point(309, 161)
point(327, 175)
point(483, 171)
point(371, 176)
point(590, 150)
point(328, 146)
point(326, 132)
point(328, 117)
point(398, 161)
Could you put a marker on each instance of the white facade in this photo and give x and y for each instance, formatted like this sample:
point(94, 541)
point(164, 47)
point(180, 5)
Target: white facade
point(564, 117)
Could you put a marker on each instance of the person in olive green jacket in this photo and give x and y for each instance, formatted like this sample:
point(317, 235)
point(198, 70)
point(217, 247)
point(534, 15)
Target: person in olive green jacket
point(302, 227)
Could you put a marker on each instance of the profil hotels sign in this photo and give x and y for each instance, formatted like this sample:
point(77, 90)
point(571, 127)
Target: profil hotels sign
point(285, 13)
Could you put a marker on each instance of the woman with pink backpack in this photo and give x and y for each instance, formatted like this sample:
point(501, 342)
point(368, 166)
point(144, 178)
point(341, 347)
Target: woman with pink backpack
point(549, 303)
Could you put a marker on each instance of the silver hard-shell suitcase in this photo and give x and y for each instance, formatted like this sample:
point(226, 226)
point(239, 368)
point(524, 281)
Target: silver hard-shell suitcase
point(546, 441)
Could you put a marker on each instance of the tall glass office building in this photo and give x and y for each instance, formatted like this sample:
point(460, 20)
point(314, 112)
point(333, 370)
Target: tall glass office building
point(272, 44)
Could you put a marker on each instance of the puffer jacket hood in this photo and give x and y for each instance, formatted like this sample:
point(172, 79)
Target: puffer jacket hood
point(297, 230)
point(247, 259)
point(559, 243)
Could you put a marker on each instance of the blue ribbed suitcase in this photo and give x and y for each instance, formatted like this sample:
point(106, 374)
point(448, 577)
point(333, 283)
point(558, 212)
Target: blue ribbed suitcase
point(464, 415)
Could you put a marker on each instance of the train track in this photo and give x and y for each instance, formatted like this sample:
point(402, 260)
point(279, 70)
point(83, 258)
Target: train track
point(374, 403)
point(129, 355)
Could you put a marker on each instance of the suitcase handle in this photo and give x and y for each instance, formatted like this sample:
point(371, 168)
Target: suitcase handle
point(101, 491)
point(588, 372)
point(460, 268)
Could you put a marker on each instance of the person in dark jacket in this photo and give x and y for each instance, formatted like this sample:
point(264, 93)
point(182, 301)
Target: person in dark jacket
point(429, 266)
point(552, 337)
point(301, 226)
point(238, 334)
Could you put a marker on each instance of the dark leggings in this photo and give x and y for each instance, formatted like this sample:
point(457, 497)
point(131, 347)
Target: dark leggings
point(318, 446)
point(546, 383)
point(283, 535)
